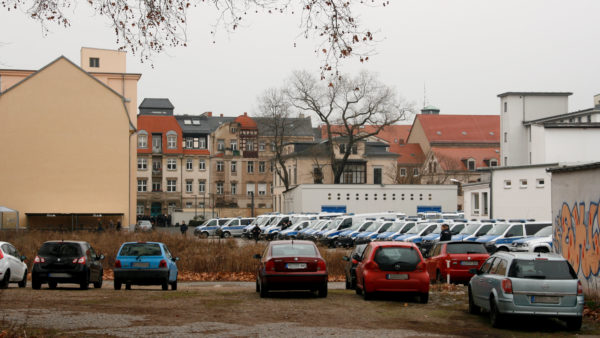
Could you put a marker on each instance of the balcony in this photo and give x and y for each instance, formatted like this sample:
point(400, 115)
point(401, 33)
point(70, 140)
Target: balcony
point(250, 154)
point(157, 150)
point(156, 172)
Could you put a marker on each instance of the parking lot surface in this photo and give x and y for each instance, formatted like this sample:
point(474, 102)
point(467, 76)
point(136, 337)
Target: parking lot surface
point(235, 309)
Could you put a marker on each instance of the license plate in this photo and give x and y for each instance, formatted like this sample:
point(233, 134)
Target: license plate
point(545, 299)
point(469, 263)
point(401, 276)
point(140, 264)
point(59, 275)
point(295, 266)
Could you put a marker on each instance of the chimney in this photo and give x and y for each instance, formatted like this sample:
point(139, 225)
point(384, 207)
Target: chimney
point(208, 114)
point(301, 115)
point(221, 115)
point(245, 114)
point(597, 101)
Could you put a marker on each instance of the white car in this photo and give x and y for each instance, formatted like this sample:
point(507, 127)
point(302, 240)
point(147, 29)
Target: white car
point(12, 268)
point(144, 226)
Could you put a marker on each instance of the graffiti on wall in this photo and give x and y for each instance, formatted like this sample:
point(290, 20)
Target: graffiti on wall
point(577, 237)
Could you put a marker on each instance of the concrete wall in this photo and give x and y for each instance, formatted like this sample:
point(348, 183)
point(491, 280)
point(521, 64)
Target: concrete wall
point(362, 198)
point(111, 61)
point(576, 215)
point(572, 144)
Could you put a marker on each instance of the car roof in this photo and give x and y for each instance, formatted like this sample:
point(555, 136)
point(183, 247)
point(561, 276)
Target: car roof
point(529, 255)
point(291, 242)
point(459, 242)
point(66, 241)
point(392, 243)
point(142, 242)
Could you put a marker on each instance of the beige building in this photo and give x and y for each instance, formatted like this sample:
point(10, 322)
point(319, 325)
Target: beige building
point(72, 157)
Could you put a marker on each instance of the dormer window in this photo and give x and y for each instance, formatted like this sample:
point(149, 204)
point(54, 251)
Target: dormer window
point(493, 162)
point(95, 62)
point(187, 122)
point(196, 122)
point(471, 164)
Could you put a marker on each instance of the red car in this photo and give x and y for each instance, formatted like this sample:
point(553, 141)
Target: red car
point(392, 267)
point(455, 259)
point(291, 265)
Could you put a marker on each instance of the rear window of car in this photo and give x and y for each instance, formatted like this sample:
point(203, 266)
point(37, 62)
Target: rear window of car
point(465, 248)
point(141, 249)
point(300, 250)
point(395, 255)
point(60, 250)
point(541, 269)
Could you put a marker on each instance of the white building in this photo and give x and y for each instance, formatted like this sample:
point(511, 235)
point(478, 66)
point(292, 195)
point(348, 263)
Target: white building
point(368, 198)
point(511, 192)
point(536, 128)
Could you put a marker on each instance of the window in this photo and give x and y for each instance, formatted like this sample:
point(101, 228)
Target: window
point(142, 164)
point(196, 122)
point(589, 118)
point(505, 160)
point(233, 144)
point(202, 186)
point(515, 231)
point(189, 142)
point(220, 145)
point(295, 175)
point(220, 166)
point(201, 143)
point(505, 137)
point(140, 209)
point(354, 149)
point(202, 165)
point(475, 203)
point(250, 167)
point(188, 186)
point(171, 164)
point(171, 185)
point(188, 205)
point(142, 186)
point(261, 167)
point(233, 188)
point(540, 182)
point(507, 184)
point(172, 141)
point(484, 201)
point(471, 164)
point(95, 62)
point(262, 189)
point(250, 145)
point(250, 189)
point(317, 175)
point(486, 266)
point(342, 148)
point(354, 173)
point(156, 165)
point(377, 176)
point(233, 130)
point(156, 186)
point(505, 107)
point(142, 141)
point(219, 188)
point(273, 148)
point(156, 143)
point(233, 166)
point(403, 172)
point(415, 171)
point(261, 146)
point(189, 165)
point(523, 183)
point(493, 162)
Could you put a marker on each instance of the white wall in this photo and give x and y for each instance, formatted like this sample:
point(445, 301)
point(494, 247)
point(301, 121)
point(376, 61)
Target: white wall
point(571, 144)
point(476, 191)
point(397, 197)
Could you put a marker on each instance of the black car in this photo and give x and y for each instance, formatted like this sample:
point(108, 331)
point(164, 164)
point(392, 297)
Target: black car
point(350, 267)
point(67, 262)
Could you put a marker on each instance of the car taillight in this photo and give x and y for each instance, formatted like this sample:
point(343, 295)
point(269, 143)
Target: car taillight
point(39, 259)
point(80, 260)
point(117, 263)
point(421, 267)
point(354, 261)
point(579, 288)
point(507, 285)
point(270, 266)
point(321, 265)
point(1, 254)
point(162, 264)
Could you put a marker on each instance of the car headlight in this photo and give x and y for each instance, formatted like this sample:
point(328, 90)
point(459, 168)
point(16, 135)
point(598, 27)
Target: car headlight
point(491, 243)
point(524, 244)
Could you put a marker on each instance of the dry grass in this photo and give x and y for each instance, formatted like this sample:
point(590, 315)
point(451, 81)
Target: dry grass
point(197, 256)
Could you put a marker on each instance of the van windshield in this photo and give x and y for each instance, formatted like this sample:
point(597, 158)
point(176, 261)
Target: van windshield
point(470, 229)
point(418, 228)
point(374, 226)
point(498, 230)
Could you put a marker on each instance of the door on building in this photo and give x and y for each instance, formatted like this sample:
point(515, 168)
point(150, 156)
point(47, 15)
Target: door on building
point(377, 179)
point(155, 209)
point(429, 208)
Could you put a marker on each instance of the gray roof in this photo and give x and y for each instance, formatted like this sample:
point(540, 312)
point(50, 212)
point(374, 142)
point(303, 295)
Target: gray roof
point(563, 116)
point(536, 94)
point(295, 126)
point(576, 167)
point(155, 103)
point(378, 149)
point(207, 124)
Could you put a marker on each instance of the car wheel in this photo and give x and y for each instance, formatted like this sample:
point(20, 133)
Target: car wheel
point(473, 309)
point(358, 290)
point(98, 284)
point(366, 295)
point(424, 298)
point(257, 286)
point(127, 286)
point(52, 285)
point(264, 291)
point(23, 282)
point(35, 283)
point(204, 234)
point(438, 277)
point(117, 284)
point(85, 283)
point(226, 234)
point(322, 292)
point(174, 286)
point(165, 285)
point(5, 280)
point(574, 324)
point(496, 318)
point(348, 284)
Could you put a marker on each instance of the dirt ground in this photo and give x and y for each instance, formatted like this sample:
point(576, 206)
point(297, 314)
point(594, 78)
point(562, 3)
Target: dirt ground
point(234, 309)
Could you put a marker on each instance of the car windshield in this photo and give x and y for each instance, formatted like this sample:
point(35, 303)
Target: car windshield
point(465, 248)
point(374, 226)
point(324, 226)
point(470, 229)
point(365, 226)
point(355, 226)
point(407, 227)
point(541, 268)
point(407, 258)
point(396, 226)
point(60, 250)
point(294, 250)
point(335, 223)
point(498, 230)
point(418, 228)
point(545, 232)
point(140, 249)
point(437, 230)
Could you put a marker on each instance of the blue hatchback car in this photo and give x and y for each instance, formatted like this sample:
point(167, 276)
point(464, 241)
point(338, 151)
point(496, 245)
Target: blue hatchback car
point(145, 263)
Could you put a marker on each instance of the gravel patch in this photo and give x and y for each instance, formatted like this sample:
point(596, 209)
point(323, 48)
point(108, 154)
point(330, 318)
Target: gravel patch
point(67, 320)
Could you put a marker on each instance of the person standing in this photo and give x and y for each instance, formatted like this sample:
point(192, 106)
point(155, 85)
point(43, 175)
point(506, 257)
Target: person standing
point(446, 235)
point(183, 228)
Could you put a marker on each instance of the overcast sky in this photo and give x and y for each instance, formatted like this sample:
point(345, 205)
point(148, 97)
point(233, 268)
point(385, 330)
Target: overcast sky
point(464, 51)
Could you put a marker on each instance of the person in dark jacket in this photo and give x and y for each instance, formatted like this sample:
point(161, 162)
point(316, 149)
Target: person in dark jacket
point(255, 232)
point(446, 235)
point(183, 228)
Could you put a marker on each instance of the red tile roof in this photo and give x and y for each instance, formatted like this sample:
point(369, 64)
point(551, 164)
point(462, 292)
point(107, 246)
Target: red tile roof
point(159, 124)
point(454, 158)
point(461, 128)
point(410, 153)
point(397, 132)
point(246, 122)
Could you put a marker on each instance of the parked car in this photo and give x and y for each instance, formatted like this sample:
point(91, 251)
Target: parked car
point(143, 225)
point(427, 242)
point(373, 231)
point(399, 228)
point(502, 235)
point(417, 232)
point(346, 238)
point(234, 227)
point(12, 266)
point(291, 265)
point(527, 284)
point(350, 266)
point(541, 241)
point(473, 230)
point(392, 267)
point(67, 262)
point(292, 231)
point(209, 228)
point(455, 259)
point(145, 263)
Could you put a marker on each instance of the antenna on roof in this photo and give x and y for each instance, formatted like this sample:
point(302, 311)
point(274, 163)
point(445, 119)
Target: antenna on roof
point(424, 94)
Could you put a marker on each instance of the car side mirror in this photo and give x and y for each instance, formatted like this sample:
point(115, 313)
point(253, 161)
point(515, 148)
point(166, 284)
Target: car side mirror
point(257, 256)
point(23, 258)
point(346, 258)
point(175, 259)
point(357, 257)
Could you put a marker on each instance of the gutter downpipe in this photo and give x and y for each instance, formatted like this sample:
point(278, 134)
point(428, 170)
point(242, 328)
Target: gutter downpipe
point(492, 194)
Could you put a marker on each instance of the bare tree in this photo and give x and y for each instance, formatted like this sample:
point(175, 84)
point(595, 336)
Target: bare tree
point(394, 173)
point(151, 26)
point(343, 105)
point(441, 168)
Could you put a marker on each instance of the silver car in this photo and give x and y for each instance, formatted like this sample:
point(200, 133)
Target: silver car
point(518, 283)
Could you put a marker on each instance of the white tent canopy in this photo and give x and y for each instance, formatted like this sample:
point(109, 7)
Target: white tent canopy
point(8, 210)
